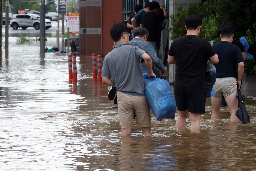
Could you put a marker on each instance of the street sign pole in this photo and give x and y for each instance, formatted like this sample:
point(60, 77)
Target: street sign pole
point(42, 27)
point(57, 31)
point(62, 8)
point(1, 19)
point(63, 31)
point(7, 25)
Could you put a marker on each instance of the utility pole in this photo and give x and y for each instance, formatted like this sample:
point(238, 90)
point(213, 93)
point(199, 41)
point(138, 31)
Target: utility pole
point(1, 21)
point(7, 24)
point(62, 9)
point(63, 19)
point(57, 31)
point(42, 27)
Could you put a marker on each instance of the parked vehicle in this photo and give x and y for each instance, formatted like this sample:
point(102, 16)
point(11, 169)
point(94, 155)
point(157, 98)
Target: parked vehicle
point(3, 18)
point(28, 20)
point(53, 16)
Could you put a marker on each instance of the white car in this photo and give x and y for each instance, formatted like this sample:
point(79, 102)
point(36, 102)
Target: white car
point(53, 16)
point(28, 20)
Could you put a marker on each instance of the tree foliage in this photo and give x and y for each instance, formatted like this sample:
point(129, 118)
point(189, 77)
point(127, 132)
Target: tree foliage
point(16, 5)
point(69, 7)
point(178, 20)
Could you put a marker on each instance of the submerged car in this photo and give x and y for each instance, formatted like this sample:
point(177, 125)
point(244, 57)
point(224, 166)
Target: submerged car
point(28, 20)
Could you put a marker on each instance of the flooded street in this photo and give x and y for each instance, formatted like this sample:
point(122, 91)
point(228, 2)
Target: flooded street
point(48, 124)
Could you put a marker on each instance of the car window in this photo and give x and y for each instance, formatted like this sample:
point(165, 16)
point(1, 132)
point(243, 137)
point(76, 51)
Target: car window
point(27, 16)
point(19, 16)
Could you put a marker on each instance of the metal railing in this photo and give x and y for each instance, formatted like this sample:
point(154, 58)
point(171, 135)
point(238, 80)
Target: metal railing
point(128, 5)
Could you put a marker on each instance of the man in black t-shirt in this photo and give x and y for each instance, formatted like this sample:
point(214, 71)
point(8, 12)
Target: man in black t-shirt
point(227, 78)
point(190, 54)
point(150, 21)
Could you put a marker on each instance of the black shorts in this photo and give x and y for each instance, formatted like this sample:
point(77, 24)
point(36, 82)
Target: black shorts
point(190, 98)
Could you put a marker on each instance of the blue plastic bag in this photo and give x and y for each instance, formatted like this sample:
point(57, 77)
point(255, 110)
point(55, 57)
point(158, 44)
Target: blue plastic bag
point(245, 43)
point(212, 92)
point(160, 98)
point(250, 56)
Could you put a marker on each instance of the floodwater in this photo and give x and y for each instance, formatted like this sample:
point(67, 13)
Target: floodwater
point(48, 124)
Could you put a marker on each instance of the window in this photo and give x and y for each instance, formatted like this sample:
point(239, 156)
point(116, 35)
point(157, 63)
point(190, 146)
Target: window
point(20, 16)
point(27, 17)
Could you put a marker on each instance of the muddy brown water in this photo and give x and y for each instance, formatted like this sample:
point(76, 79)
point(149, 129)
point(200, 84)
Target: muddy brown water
point(48, 124)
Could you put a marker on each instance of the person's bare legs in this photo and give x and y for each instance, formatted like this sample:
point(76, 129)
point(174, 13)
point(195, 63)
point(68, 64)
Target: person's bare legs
point(146, 131)
point(181, 120)
point(195, 122)
point(232, 102)
point(216, 103)
point(126, 131)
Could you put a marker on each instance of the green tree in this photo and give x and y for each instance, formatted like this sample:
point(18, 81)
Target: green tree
point(241, 13)
point(15, 6)
point(50, 7)
point(69, 7)
point(177, 27)
point(209, 26)
point(209, 29)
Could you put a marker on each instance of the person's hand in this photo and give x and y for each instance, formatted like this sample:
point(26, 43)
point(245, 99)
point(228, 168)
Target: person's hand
point(164, 70)
point(239, 83)
point(161, 6)
point(151, 75)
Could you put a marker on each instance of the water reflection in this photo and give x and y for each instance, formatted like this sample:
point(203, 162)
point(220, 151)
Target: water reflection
point(49, 124)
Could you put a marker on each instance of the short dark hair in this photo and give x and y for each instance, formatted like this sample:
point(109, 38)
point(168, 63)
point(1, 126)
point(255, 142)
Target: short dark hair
point(129, 13)
point(147, 5)
point(193, 21)
point(161, 11)
point(117, 31)
point(227, 31)
point(154, 5)
point(140, 31)
point(137, 8)
point(224, 24)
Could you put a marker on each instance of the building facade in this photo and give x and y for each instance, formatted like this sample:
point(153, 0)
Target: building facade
point(98, 16)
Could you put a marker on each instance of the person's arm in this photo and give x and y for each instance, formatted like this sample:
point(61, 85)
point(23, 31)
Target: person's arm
point(171, 59)
point(129, 26)
point(214, 59)
point(240, 73)
point(164, 25)
point(155, 60)
point(165, 12)
point(134, 22)
point(107, 81)
point(244, 55)
point(148, 63)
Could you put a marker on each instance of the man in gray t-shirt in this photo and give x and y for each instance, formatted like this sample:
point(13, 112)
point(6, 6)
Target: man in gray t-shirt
point(121, 68)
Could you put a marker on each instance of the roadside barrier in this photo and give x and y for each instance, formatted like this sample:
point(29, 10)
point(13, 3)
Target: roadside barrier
point(70, 68)
point(99, 68)
point(74, 70)
point(94, 66)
